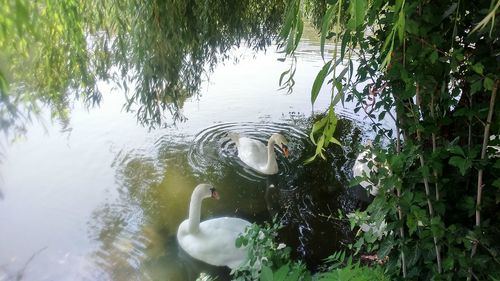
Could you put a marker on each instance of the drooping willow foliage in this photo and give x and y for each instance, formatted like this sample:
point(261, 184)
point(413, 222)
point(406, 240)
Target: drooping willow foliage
point(433, 67)
point(158, 51)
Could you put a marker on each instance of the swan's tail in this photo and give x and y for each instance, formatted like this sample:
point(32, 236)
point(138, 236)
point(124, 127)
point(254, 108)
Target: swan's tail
point(234, 137)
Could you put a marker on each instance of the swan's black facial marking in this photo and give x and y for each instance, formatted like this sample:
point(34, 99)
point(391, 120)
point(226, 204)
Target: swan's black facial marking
point(214, 192)
point(285, 150)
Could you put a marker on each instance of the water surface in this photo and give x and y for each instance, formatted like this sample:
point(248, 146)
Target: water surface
point(102, 199)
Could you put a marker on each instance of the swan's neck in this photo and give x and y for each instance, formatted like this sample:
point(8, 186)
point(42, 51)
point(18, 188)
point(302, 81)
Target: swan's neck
point(194, 213)
point(271, 155)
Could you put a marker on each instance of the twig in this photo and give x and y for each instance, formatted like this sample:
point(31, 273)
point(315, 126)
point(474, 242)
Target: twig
point(486, 136)
point(434, 172)
point(426, 184)
point(398, 194)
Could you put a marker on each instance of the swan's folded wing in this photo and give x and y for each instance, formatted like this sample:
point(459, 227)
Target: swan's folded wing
point(252, 152)
point(215, 242)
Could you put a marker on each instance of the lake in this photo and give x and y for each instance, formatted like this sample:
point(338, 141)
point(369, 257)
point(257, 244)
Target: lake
point(102, 199)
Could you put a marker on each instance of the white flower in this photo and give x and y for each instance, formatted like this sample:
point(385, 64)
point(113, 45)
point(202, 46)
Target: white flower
point(496, 153)
point(281, 246)
point(261, 235)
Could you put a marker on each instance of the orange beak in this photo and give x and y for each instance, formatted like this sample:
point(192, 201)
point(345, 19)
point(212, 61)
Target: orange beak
point(285, 150)
point(215, 195)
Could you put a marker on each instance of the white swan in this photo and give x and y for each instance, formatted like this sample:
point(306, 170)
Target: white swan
point(256, 155)
point(361, 169)
point(212, 241)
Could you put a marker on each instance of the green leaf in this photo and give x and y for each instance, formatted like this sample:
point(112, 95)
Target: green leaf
point(318, 82)
point(461, 163)
point(496, 183)
point(299, 31)
point(478, 68)
point(317, 126)
point(455, 149)
point(385, 247)
point(266, 274)
point(357, 10)
point(488, 83)
point(335, 141)
point(476, 87)
point(434, 56)
point(287, 26)
point(401, 25)
point(345, 39)
point(449, 11)
point(339, 95)
point(281, 274)
point(448, 263)
point(325, 28)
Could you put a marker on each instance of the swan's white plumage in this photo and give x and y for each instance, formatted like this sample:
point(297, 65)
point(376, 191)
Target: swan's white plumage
point(361, 168)
point(257, 155)
point(215, 242)
point(212, 241)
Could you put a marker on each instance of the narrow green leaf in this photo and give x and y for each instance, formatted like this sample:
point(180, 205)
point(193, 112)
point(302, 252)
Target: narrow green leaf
point(325, 28)
point(449, 11)
point(401, 25)
point(339, 94)
point(310, 159)
point(318, 82)
point(335, 141)
point(299, 31)
point(289, 22)
point(345, 39)
point(342, 73)
point(357, 10)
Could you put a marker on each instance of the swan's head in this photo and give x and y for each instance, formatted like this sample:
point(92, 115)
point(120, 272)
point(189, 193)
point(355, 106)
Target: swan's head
point(281, 141)
point(204, 190)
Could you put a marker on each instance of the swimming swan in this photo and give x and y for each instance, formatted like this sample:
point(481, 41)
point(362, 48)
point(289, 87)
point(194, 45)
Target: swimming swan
point(361, 169)
point(256, 155)
point(212, 241)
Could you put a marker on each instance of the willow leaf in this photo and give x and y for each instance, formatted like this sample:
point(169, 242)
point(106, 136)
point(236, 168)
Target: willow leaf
point(325, 28)
point(357, 9)
point(318, 82)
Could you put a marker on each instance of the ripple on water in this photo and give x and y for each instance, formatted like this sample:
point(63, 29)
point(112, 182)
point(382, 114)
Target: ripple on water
point(213, 151)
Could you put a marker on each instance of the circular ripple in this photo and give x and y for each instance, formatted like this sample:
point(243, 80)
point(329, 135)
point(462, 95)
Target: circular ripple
point(212, 151)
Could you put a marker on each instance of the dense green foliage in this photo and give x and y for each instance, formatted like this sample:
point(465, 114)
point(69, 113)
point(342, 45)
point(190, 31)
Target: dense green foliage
point(269, 260)
point(266, 256)
point(433, 68)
